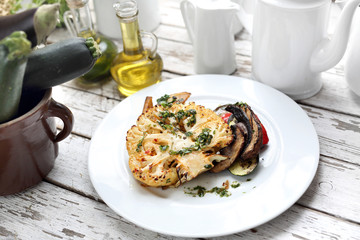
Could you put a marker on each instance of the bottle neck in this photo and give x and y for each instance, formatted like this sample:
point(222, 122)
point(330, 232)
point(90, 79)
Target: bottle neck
point(131, 36)
point(82, 20)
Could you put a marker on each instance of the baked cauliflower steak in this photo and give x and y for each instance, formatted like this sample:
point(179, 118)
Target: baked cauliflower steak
point(173, 142)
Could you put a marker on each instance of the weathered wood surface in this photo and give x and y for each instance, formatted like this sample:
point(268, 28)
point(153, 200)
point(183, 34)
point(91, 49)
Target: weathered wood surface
point(66, 206)
point(49, 212)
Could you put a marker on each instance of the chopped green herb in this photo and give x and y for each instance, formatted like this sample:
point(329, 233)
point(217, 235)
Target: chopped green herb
point(163, 148)
point(208, 166)
point(168, 180)
point(192, 120)
point(241, 104)
point(196, 191)
point(166, 114)
point(179, 115)
point(188, 134)
point(182, 152)
point(235, 184)
point(165, 101)
point(222, 192)
point(140, 144)
point(202, 140)
point(165, 126)
point(200, 191)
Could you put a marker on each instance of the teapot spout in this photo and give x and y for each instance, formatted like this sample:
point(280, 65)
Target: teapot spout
point(330, 51)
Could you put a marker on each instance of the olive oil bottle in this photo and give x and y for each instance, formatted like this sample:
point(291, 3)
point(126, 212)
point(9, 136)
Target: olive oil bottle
point(79, 23)
point(135, 67)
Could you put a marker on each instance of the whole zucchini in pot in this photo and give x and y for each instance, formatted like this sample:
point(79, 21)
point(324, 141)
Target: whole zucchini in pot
point(14, 51)
point(60, 62)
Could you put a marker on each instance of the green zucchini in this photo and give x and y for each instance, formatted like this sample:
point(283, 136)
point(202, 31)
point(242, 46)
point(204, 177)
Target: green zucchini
point(14, 51)
point(60, 62)
point(244, 167)
point(37, 23)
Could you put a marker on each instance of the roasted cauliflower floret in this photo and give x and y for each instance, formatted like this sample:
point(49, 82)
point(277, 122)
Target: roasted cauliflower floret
point(170, 145)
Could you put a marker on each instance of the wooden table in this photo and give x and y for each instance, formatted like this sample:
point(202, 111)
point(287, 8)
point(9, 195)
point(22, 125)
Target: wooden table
point(66, 206)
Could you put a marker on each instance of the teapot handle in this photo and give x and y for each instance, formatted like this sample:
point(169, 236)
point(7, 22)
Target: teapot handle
point(188, 13)
point(246, 13)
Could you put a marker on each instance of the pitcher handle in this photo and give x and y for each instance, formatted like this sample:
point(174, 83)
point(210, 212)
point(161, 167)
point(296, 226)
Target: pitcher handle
point(246, 13)
point(188, 12)
point(154, 41)
point(69, 23)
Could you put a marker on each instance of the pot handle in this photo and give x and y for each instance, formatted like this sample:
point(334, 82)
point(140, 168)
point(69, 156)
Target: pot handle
point(59, 110)
point(188, 13)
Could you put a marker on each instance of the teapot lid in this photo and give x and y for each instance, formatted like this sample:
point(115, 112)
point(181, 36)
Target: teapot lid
point(297, 4)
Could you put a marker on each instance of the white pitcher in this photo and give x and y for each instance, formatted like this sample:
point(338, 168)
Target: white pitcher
point(291, 46)
point(209, 25)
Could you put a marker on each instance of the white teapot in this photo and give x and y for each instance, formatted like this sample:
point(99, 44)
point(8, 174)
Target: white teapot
point(210, 27)
point(291, 46)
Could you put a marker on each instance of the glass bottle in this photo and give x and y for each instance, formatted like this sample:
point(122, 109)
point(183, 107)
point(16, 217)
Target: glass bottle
point(135, 67)
point(79, 23)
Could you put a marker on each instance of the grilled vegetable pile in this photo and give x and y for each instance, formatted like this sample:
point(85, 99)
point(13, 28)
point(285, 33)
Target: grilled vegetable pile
point(250, 135)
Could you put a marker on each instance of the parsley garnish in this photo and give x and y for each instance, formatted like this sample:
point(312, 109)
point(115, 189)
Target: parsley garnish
point(165, 101)
point(235, 184)
point(200, 191)
point(140, 144)
point(208, 166)
point(188, 134)
point(163, 148)
point(202, 140)
point(166, 114)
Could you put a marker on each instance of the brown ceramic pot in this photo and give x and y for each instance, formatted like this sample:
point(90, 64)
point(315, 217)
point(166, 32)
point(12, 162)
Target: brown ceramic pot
point(29, 143)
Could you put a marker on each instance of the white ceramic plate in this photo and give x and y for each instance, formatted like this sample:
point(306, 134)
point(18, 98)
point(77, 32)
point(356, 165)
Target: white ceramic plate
point(287, 165)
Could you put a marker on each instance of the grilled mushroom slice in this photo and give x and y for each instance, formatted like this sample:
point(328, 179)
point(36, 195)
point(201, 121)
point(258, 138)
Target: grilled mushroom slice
point(232, 151)
point(241, 116)
point(243, 113)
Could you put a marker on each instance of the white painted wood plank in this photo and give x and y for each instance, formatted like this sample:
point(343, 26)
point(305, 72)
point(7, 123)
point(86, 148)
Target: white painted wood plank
point(335, 190)
point(170, 14)
point(88, 109)
point(339, 135)
point(49, 212)
point(71, 167)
